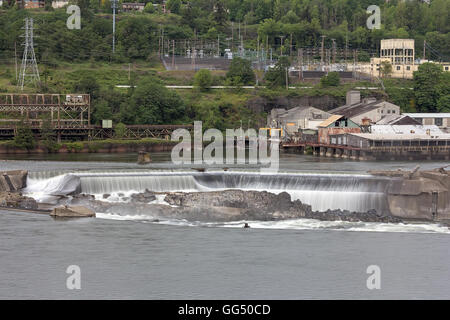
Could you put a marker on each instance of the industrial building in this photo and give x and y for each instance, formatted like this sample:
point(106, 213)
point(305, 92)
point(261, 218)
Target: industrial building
point(30, 4)
point(397, 119)
point(132, 6)
point(441, 120)
point(59, 4)
point(295, 119)
point(367, 111)
point(336, 125)
point(400, 53)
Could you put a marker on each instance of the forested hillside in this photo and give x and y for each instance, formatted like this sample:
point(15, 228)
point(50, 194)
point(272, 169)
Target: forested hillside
point(268, 21)
point(82, 60)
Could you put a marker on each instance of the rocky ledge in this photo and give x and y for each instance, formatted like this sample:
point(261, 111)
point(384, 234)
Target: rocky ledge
point(224, 206)
point(17, 200)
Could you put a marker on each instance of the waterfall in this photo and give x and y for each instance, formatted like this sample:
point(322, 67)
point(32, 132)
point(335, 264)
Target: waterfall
point(321, 191)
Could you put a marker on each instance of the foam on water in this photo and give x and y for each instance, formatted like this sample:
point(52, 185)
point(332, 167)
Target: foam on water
point(295, 224)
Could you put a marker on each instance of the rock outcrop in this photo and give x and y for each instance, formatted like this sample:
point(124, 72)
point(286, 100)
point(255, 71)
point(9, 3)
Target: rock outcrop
point(72, 212)
point(144, 157)
point(13, 180)
point(17, 200)
point(225, 206)
point(143, 197)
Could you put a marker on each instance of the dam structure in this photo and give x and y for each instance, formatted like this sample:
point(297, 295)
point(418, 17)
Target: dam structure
point(322, 191)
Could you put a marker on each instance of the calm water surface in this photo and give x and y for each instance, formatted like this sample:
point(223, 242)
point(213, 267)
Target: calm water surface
point(141, 260)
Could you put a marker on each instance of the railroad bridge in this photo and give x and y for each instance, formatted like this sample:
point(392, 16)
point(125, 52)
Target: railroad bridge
point(69, 116)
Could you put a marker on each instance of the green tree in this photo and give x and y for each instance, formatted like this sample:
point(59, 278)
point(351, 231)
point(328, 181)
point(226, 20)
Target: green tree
point(385, 69)
point(174, 6)
point(152, 103)
point(443, 104)
point(149, 8)
point(332, 79)
point(426, 91)
point(24, 137)
point(48, 136)
point(203, 79)
point(120, 130)
point(88, 85)
point(276, 76)
point(241, 68)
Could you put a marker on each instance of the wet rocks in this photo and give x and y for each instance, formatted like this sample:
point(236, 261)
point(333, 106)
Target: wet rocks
point(351, 216)
point(256, 200)
point(144, 197)
point(72, 212)
point(13, 180)
point(225, 206)
point(17, 200)
point(144, 157)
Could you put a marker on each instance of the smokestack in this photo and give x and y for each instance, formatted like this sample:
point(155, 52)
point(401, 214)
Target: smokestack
point(353, 97)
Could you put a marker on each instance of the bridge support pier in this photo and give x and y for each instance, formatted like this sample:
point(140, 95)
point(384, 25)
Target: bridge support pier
point(338, 153)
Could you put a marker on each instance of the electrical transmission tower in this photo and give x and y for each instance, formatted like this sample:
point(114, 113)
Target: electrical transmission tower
point(28, 70)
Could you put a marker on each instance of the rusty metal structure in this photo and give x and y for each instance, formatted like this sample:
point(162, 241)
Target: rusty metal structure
point(69, 115)
point(137, 132)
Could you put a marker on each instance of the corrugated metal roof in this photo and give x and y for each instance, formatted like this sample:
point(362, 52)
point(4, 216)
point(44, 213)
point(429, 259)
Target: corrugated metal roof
point(330, 120)
point(428, 115)
point(406, 129)
point(385, 136)
point(396, 118)
point(357, 109)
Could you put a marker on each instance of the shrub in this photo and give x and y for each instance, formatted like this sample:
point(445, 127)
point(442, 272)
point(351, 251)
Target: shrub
point(330, 80)
point(24, 138)
point(120, 130)
point(203, 79)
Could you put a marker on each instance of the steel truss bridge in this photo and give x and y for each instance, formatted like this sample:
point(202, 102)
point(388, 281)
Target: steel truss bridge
point(68, 116)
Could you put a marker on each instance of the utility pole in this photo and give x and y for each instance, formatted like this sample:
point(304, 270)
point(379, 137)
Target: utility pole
point(29, 68)
point(114, 7)
point(15, 57)
point(218, 46)
point(334, 51)
point(173, 54)
point(287, 77)
point(300, 64)
point(321, 51)
point(232, 35)
point(290, 48)
point(281, 46)
point(346, 49)
point(424, 48)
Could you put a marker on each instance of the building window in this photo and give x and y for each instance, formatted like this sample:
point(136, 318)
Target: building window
point(420, 120)
point(389, 111)
point(438, 122)
point(446, 68)
point(398, 68)
point(393, 111)
point(408, 68)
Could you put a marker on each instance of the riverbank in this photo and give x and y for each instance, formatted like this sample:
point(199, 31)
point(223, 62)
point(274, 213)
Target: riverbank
point(94, 146)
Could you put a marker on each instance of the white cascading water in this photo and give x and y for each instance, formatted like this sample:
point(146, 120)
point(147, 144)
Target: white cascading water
point(321, 191)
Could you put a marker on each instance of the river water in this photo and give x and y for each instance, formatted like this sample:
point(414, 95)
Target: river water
point(129, 256)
